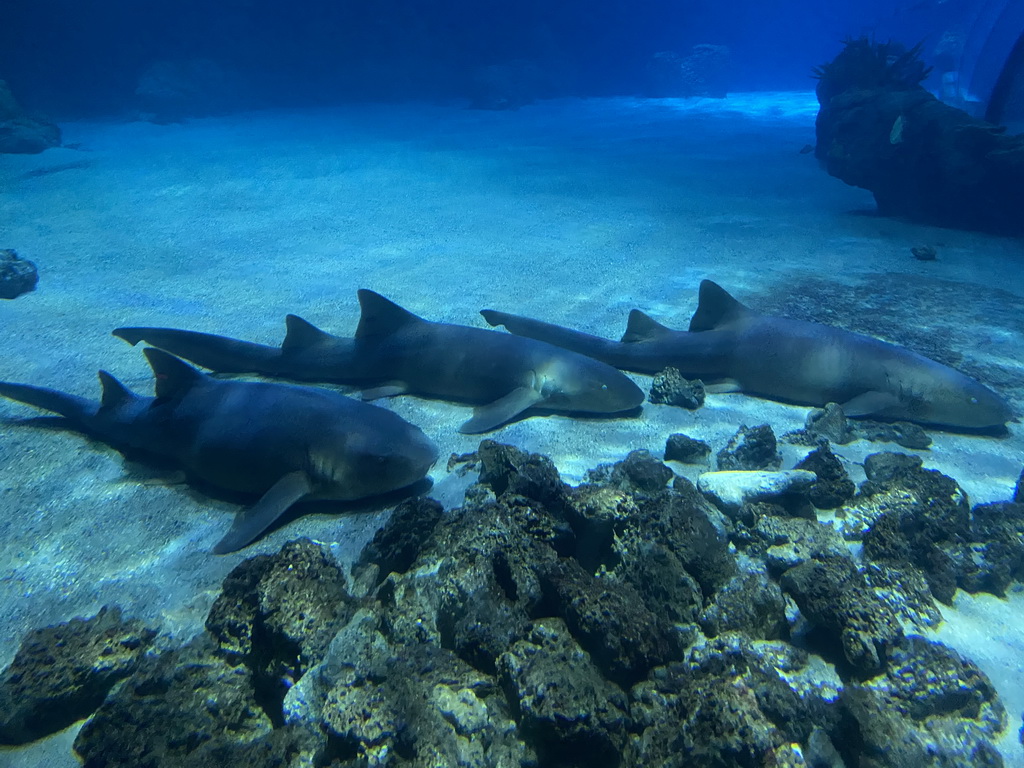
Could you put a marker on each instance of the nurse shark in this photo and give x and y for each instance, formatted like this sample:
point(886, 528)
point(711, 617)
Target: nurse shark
point(787, 360)
point(396, 352)
point(282, 442)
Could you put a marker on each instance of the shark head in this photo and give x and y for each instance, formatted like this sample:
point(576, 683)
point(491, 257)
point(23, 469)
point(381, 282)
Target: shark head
point(366, 463)
point(967, 403)
point(581, 384)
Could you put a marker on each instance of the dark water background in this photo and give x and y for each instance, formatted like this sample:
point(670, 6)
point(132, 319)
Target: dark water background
point(70, 58)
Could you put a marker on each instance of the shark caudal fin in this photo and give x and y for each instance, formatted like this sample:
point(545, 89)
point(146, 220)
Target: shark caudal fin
point(643, 327)
point(380, 316)
point(174, 377)
point(69, 406)
point(302, 334)
point(715, 308)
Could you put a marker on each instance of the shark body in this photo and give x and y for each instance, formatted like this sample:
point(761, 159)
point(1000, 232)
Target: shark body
point(396, 352)
point(787, 360)
point(282, 442)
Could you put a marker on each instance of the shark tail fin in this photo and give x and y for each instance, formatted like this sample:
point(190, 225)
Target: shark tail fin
point(77, 409)
point(174, 377)
point(642, 327)
point(115, 393)
point(302, 334)
point(715, 308)
point(380, 316)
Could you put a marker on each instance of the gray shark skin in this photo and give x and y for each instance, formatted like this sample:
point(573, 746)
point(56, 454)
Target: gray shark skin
point(396, 352)
point(282, 442)
point(787, 360)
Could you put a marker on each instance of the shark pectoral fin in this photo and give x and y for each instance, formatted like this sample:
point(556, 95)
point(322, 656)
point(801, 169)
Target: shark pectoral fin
point(493, 415)
point(723, 387)
point(869, 403)
point(251, 522)
point(387, 390)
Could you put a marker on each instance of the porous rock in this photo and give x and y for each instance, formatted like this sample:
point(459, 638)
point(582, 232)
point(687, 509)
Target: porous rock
point(565, 707)
point(833, 485)
point(639, 472)
point(20, 133)
point(187, 708)
point(17, 275)
point(750, 603)
point(835, 599)
point(930, 707)
point(751, 448)
point(670, 388)
point(397, 544)
point(277, 614)
point(62, 673)
point(686, 450)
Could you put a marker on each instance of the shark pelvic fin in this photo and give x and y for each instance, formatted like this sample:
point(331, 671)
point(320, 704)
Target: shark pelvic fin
point(869, 404)
point(380, 316)
point(174, 377)
point(643, 327)
point(251, 522)
point(302, 334)
point(715, 308)
point(493, 415)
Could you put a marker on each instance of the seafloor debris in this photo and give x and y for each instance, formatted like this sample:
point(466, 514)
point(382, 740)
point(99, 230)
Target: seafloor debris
point(751, 448)
point(686, 450)
point(670, 388)
point(626, 621)
point(17, 275)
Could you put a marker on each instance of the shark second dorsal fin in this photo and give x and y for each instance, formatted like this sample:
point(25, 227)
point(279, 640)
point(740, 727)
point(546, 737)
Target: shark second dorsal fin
point(302, 334)
point(114, 392)
point(715, 308)
point(174, 377)
point(380, 316)
point(642, 327)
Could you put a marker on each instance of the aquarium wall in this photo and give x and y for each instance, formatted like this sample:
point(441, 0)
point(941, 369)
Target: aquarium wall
point(71, 58)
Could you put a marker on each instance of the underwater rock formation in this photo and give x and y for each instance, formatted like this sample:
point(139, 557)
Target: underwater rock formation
point(669, 387)
point(686, 450)
point(21, 134)
point(17, 275)
point(751, 448)
point(880, 130)
point(621, 622)
point(61, 673)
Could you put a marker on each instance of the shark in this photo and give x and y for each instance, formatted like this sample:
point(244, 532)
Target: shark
point(786, 360)
point(282, 442)
point(395, 352)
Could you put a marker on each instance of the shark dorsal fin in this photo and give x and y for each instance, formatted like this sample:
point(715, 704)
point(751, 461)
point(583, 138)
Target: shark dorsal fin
point(380, 316)
point(302, 334)
point(174, 377)
point(642, 327)
point(715, 308)
point(114, 392)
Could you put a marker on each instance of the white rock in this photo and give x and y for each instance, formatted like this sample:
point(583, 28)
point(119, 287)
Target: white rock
point(731, 490)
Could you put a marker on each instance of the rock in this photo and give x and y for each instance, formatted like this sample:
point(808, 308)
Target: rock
point(834, 598)
point(609, 619)
point(732, 489)
point(506, 469)
point(887, 467)
point(751, 449)
point(830, 422)
point(686, 450)
point(784, 542)
point(17, 275)
point(639, 473)
point(923, 252)
point(62, 673)
point(21, 134)
point(833, 486)
point(277, 614)
point(997, 534)
point(1018, 491)
point(735, 702)
point(573, 715)
point(188, 708)
point(398, 543)
point(670, 388)
point(929, 708)
point(903, 433)
point(750, 603)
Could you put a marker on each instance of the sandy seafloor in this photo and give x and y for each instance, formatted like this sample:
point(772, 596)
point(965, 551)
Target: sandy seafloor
point(573, 211)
